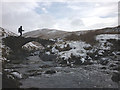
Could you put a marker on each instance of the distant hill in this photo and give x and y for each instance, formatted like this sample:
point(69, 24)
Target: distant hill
point(46, 33)
point(53, 33)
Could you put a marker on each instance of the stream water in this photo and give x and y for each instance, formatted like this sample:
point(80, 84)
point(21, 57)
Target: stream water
point(36, 73)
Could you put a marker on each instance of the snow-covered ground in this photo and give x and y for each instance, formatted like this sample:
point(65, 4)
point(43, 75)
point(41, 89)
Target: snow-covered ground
point(66, 49)
point(77, 49)
point(29, 46)
point(103, 43)
point(33, 68)
point(5, 33)
point(108, 36)
point(33, 46)
point(4, 49)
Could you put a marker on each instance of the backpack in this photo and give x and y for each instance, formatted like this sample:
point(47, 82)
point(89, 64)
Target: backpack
point(19, 30)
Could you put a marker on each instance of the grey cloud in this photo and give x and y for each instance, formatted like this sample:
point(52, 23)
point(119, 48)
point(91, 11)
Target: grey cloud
point(77, 22)
point(16, 14)
point(26, 17)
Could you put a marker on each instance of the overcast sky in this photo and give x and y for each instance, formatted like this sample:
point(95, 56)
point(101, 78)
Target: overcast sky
point(66, 15)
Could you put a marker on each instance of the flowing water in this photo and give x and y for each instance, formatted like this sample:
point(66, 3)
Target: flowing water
point(36, 73)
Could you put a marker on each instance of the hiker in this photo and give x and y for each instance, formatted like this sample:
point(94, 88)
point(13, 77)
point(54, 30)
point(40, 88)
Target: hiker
point(20, 30)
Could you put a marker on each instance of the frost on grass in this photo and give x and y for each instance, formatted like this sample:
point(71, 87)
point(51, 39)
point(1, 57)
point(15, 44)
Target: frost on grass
point(104, 46)
point(68, 49)
point(108, 36)
point(77, 50)
point(82, 51)
point(103, 43)
point(4, 50)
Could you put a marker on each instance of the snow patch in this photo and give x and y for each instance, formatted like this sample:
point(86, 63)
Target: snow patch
point(52, 31)
point(16, 74)
point(77, 49)
point(48, 53)
point(103, 43)
point(4, 50)
point(54, 50)
point(33, 46)
point(5, 33)
point(108, 36)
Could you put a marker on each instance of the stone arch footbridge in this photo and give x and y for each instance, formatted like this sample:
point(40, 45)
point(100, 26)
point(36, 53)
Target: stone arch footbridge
point(16, 42)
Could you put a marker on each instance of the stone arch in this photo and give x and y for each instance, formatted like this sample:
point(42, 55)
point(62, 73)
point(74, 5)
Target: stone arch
point(16, 42)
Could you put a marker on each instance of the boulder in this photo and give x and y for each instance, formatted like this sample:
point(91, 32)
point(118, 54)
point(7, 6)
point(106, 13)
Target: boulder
point(50, 72)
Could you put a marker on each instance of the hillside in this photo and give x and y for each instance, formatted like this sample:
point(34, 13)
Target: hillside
point(52, 33)
point(82, 59)
point(46, 33)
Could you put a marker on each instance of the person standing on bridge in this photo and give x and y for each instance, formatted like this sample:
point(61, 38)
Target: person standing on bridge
point(20, 30)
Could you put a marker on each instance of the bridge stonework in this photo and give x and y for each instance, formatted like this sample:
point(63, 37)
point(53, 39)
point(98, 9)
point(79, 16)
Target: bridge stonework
point(16, 42)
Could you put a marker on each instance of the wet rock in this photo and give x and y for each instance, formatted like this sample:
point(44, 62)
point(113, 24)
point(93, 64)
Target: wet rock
point(62, 61)
point(116, 68)
point(92, 55)
point(112, 65)
point(117, 53)
point(88, 48)
point(50, 72)
point(88, 62)
point(103, 68)
point(35, 74)
point(45, 66)
point(32, 71)
point(31, 55)
point(9, 82)
point(118, 63)
point(116, 77)
point(75, 60)
point(104, 61)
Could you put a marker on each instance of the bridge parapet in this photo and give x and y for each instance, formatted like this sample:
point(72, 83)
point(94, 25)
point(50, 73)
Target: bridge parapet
point(16, 42)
